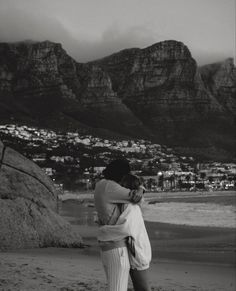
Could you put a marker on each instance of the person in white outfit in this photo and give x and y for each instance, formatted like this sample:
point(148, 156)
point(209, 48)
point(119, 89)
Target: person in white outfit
point(140, 263)
point(131, 225)
point(109, 197)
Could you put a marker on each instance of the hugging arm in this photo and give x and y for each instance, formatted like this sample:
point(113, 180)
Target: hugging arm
point(119, 194)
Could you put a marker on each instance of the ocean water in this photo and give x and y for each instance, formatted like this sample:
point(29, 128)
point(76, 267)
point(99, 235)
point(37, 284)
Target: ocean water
point(195, 214)
point(165, 220)
point(180, 213)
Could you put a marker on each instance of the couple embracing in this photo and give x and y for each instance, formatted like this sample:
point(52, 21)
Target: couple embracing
point(123, 239)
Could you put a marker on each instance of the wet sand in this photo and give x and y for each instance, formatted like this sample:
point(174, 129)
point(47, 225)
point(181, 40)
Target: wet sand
point(193, 243)
point(181, 243)
point(169, 241)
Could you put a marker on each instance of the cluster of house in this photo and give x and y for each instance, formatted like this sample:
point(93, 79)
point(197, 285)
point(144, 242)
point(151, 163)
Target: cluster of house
point(44, 136)
point(85, 156)
point(206, 176)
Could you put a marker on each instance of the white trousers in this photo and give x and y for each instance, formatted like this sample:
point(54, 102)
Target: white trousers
point(117, 266)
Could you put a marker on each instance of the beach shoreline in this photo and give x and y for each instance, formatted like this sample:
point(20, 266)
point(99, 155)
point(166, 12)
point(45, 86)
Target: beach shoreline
point(185, 258)
point(180, 243)
point(170, 241)
point(88, 196)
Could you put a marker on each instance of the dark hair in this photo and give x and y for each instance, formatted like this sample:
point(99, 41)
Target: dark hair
point(131, 182)
point(116, 170)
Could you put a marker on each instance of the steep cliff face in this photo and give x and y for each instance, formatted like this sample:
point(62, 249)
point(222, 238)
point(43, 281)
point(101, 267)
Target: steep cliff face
point(162, 85)
point(220, 79)
point(157, 92)
point(48, 86)
point(101, 106)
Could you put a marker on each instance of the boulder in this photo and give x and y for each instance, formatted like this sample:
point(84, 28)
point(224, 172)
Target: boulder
point(28, 206)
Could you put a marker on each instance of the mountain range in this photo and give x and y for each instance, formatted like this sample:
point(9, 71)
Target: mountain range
point(157, 93)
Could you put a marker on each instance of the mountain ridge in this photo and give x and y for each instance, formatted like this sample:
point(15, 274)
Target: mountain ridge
point(157, 93)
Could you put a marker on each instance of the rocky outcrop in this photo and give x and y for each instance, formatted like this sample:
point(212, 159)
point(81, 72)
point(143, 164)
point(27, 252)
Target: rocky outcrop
point(157, 92)
point(220, 80)
point(161, 84)
point(102, 107)
point(28, 205)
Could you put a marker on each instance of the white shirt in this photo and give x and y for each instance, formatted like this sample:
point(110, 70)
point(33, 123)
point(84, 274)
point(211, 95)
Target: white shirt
point(130, 223)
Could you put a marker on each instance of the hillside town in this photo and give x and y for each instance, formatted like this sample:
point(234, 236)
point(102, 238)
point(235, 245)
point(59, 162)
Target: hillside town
point(75, 161)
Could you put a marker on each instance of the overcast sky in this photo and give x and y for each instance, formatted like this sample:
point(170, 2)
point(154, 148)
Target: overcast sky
point(90, 29)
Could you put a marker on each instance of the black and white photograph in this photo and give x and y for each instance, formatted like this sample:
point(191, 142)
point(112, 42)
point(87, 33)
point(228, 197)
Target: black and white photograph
point(117, 145)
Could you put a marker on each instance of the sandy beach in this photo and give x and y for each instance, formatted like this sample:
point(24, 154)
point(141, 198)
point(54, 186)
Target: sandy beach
point(184, 258)
point(197, 266)
point(81, 269)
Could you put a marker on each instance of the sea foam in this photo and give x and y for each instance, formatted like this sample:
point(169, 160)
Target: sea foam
point(197, 214)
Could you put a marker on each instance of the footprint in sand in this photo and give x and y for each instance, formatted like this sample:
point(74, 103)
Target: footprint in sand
point(49, 275)
point(39, 270)
point(4, 281)
point(11, 264)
